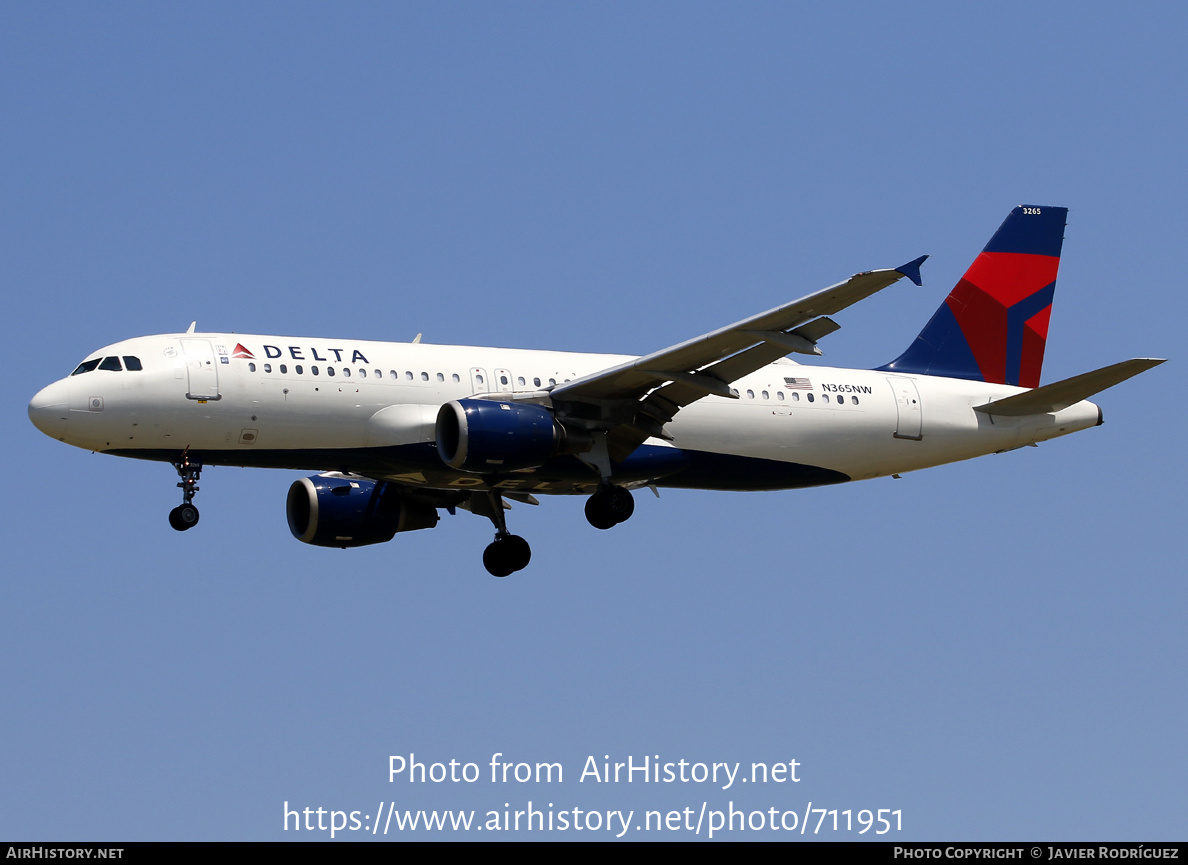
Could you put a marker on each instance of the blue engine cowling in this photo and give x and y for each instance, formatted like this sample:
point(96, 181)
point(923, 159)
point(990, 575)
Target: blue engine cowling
point(478, 435)
point(336, 511)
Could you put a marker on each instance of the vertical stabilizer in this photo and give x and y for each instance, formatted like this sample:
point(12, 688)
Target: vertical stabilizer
point(993, 326)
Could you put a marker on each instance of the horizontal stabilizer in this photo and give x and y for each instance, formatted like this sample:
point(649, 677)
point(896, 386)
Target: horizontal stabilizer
point(1060, 395)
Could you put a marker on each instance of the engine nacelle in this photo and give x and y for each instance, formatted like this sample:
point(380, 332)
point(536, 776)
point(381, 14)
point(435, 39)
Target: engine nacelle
point(338, 511)
point(480, 435)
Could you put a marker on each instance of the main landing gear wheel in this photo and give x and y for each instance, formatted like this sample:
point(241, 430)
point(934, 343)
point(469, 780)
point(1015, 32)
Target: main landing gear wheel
point(609, 506)
point(183, 517)
point(506, 555)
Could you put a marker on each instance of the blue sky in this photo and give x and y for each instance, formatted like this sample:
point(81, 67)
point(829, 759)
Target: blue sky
point(996, 648)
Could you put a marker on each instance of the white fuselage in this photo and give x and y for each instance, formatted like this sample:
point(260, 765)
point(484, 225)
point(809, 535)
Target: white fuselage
point(371, 407)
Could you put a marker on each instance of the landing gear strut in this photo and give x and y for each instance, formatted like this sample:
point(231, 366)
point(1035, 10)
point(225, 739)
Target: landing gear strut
point(185, 515)
point(508, 553)
point(609, 506)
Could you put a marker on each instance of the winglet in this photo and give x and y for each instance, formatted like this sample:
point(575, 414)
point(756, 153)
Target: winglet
point(912, 269)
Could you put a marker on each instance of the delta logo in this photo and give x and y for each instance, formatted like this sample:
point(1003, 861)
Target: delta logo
point(296, 352)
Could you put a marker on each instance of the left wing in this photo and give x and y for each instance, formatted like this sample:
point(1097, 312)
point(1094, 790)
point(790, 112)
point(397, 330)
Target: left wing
point(632, 401)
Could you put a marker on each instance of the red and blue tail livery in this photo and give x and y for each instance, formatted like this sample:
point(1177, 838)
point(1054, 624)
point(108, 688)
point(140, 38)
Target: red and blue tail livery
point(993, 326)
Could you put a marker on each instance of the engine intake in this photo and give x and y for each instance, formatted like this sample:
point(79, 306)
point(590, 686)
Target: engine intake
point(336, 511)
point(479, 435)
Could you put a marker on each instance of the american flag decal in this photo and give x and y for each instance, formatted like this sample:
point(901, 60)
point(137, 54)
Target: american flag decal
point(798, 384)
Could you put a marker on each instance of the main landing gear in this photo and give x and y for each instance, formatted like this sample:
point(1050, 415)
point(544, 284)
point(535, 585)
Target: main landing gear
point(508, 553)
point(609, 506)
point(185, 515)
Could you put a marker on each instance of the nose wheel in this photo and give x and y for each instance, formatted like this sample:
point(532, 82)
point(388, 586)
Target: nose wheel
point(185, 515)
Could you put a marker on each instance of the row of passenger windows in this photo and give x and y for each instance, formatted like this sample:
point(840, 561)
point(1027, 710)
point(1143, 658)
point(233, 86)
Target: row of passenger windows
point(111, 364)
point(504, 380)
point(795, 397)
point(299, 369)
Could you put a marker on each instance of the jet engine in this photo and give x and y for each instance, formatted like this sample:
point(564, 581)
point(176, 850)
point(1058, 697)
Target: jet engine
point(478, 435)
point(333, 510)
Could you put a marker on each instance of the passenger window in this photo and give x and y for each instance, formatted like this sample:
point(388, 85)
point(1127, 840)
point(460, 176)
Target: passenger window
point(478, 379)
point(456, 378)
point(299, 369)
point(86, 366)
point(362, 373)
point(424, 376)
point(765, 395)
point(313, 370)
point(111, 364)
point(440, 377)
point(408, 374)
point(346, 372)
point(503, 380)
point(284, 369)
point(780, 395)
point(521, 381)
point(855, 399)
point(267, 367)
point(536, 381)
point(795, 396)
point(132, 364)
point(840, 399)
point(251, 367)
point(810, 397)
point(552, 382)
point(750, 394)
point(329, 371)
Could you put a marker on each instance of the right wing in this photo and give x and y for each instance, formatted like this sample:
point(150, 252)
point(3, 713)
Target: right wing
point(633, 401)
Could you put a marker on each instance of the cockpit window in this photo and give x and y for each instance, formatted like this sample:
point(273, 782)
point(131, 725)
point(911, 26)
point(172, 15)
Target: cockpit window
point(132, 363)
point(111, 364)
point(86, 366)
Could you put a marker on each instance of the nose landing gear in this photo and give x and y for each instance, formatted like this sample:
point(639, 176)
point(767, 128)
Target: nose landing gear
point(185, 515)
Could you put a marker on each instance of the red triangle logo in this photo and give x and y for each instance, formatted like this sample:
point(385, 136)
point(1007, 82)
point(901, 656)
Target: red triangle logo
point(240, 351)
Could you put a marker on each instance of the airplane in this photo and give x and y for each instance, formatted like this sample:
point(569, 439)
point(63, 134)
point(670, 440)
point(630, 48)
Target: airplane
point(398, 431)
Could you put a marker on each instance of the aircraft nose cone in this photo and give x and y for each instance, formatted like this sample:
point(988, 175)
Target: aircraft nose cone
point(50, 408)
